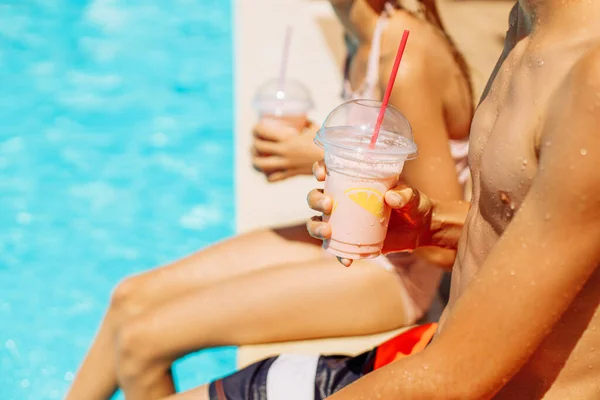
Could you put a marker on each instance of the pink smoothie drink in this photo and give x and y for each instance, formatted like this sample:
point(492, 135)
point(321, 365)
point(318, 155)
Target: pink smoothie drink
point(289, 103)
point(298, 122)
point(359, 176)
point(296, 118)
point(360, 218)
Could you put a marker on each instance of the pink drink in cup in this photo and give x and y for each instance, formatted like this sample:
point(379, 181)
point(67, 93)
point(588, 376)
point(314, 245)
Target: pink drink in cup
point(358, 176)
point(289, 102)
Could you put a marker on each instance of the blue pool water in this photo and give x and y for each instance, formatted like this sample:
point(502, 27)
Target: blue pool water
point(116, 151)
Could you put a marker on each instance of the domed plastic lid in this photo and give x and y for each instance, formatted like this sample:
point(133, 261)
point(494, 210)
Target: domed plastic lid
point(349, 127)
point(293, 98)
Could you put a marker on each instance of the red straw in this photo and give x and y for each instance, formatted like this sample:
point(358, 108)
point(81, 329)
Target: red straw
point(388, 90)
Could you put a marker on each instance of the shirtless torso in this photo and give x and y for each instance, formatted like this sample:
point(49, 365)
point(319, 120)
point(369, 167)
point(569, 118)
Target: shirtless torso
point(523, 321)
point(524, 310)
point(514, 134)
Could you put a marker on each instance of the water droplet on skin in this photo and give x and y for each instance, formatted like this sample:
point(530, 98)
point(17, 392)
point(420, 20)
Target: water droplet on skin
point(547, 216)
point(512, 272)
point(583, 152)
point(548, 143)
point(425, 367)
point(524, 245)
point(540, 63)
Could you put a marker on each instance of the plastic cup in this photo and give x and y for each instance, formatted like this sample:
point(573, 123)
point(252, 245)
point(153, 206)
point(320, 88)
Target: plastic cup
point(359, 176)
point(289, 103)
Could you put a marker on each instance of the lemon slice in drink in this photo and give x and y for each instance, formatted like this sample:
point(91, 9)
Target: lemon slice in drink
point(369, 199)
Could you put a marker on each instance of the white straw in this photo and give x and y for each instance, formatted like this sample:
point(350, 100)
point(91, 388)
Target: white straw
point(285, 57)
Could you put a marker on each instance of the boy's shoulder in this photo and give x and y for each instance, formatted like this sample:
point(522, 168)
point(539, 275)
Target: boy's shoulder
point(578, 95)
point(584, 78)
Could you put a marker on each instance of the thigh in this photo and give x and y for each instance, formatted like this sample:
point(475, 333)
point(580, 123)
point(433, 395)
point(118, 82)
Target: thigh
point(293, 302)
point(298, 376)
point(293, 376)
point(225, 260)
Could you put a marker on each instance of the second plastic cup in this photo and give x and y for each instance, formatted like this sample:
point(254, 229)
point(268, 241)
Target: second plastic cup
point(289, 103)
point(358, 176)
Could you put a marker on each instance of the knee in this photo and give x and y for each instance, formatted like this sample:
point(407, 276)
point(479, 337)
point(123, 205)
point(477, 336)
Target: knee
point(126, 300)
point(134, 348)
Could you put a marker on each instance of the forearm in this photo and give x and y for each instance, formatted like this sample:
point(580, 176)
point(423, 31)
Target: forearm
point(416, 377)
point(447, 222)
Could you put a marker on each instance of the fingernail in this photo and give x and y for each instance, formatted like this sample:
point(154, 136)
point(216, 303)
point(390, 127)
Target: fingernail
point(325, 204)
point(401, 197)
point(318, 231)
point(395, 199)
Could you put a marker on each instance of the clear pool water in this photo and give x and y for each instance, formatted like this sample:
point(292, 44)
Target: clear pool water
point(115, 156)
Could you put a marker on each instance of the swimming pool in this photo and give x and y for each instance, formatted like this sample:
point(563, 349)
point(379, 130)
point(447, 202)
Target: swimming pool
point(116, 154)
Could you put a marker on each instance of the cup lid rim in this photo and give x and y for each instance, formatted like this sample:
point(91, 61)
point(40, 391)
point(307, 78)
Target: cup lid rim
point(409, 152)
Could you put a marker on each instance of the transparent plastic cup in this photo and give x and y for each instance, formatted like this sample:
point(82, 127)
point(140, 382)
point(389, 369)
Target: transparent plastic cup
point(289, 103)
point(358, 177)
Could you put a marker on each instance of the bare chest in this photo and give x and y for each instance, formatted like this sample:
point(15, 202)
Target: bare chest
point(504, 144)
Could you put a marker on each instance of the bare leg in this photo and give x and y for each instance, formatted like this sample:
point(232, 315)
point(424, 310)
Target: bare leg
point(199, 393)
point(97, 380)
point(302, 301)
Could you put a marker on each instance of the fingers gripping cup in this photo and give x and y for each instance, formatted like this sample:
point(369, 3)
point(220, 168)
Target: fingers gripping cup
point(359, 175)
point(289, 102)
